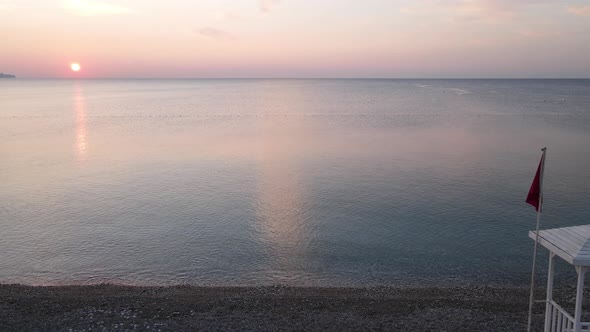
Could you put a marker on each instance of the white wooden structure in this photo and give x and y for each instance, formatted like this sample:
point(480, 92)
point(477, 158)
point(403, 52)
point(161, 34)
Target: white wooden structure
point(572, 244)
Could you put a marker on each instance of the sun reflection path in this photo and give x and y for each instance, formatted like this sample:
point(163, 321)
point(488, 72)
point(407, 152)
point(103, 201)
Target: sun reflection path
point(281, 191)
point(81, 143)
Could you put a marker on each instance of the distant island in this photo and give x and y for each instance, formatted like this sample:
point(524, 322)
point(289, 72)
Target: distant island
point(2, 75)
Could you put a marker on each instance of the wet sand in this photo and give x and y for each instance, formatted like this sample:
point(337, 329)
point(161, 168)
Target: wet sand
point(187, 308)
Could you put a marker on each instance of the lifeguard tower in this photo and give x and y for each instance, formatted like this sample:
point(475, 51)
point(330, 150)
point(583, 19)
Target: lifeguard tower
point(572, 244)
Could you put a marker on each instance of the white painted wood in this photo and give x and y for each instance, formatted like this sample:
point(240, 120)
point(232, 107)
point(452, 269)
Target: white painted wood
point(572, 244)
point(558, 325)
point(557, 313)
point(579, 293)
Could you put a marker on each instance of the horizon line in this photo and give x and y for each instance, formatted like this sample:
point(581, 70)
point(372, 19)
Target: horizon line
point(298, 78)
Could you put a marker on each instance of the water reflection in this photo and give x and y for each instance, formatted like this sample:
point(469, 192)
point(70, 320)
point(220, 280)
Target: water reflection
point(289, 182)
point(81, 144)
point(280, 196)
point(281, 191)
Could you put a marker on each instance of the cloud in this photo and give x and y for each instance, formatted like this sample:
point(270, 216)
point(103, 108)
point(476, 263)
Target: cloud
point(94, 8)
point(4, 5)
point(266, 5)
point(226, 15)
point(214, 33)
point(579, 10)
point(530, 33)
point(489, 10)
point(471, 10)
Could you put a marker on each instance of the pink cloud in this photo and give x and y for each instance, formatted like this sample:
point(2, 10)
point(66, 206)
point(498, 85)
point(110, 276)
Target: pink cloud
point(94, 8)
point(579, 10)
point(5, 5)
point(215, 33)
point(471, 10)
point(531, 33)
point(266, 5)
point(491, 9)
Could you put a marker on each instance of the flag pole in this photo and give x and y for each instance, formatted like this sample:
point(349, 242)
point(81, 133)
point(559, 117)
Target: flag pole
point(532, 296)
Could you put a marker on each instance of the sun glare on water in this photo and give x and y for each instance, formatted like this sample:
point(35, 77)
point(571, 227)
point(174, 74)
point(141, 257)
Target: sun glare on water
point(75, 67)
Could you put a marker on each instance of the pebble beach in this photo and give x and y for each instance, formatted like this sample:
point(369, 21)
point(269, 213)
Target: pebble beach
point(189, 308)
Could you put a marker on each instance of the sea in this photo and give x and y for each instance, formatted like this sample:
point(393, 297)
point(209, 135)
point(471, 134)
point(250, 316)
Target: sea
point(255, 182)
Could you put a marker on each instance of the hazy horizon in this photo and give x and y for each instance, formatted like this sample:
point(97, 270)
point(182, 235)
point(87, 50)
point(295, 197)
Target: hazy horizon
point(302, 78)
point(295, 39)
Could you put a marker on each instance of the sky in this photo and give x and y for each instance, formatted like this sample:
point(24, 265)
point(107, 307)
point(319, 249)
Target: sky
point(296, 38)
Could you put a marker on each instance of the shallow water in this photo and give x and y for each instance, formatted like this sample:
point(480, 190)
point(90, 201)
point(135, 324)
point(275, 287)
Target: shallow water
point(298, 182)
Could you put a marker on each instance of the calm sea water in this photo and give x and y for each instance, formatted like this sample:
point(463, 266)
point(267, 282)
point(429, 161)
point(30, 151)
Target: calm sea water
point(297, 182)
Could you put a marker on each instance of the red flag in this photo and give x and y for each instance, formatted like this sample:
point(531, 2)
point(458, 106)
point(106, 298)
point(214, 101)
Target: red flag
point(534, 197)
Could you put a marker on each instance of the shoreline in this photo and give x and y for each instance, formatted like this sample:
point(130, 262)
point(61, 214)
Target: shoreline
point(188, 308)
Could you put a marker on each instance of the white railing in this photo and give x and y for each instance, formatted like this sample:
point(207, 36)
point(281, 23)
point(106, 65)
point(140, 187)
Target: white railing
point(559, 320)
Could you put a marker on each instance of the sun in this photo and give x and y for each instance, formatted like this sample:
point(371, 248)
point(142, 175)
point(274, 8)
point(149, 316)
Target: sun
point(75, 66)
